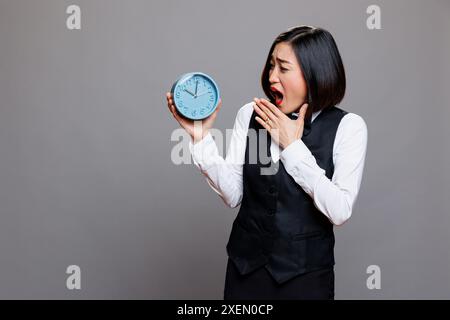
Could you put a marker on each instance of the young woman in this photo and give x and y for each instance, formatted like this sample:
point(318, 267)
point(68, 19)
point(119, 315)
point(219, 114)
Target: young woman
point(281, 244)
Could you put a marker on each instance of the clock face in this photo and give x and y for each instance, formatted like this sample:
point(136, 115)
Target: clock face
point(195, 95)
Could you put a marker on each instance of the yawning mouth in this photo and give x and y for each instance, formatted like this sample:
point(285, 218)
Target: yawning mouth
point(278, 96)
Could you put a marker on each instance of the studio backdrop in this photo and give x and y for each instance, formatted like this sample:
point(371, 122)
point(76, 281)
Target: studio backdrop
point(93, 204)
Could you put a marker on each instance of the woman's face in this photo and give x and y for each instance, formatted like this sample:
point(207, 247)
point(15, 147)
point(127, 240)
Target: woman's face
point(286, 79)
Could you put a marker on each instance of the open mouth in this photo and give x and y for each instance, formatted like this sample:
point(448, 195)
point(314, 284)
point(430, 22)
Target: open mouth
point(277, 95)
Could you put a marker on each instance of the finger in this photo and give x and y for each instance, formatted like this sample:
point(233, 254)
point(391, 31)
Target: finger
point(303, 110)
point(277, 112)
point(263, 111)
point(171, 108)
point(263, 123)
point(168, 97)
point(260, 112)
point(267, 111)
point(169, 105)
point(170, 101)
point(302, 113)
point(174, 111)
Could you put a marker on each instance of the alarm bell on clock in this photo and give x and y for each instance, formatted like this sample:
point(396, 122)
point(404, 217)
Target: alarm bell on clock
point(195, 95)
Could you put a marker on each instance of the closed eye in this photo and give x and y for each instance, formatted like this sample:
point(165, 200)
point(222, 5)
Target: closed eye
point(281, 68)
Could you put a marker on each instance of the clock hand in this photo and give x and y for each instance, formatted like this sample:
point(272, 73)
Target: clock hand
point(192, 94)
point(196, 85)
point(204, 92)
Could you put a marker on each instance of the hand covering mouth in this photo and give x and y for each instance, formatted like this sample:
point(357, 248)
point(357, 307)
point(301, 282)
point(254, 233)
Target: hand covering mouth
point(277, 95)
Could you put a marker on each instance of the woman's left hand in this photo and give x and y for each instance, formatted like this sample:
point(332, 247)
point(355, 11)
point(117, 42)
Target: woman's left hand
point(282, 129)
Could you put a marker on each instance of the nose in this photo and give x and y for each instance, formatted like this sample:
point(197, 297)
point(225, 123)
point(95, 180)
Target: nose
point(273, 76)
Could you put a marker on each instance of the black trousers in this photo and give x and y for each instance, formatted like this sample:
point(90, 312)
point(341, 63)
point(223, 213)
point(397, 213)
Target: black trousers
point(260, 285)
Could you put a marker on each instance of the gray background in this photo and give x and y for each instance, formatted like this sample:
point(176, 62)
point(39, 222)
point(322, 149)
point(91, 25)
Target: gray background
point(86, 176)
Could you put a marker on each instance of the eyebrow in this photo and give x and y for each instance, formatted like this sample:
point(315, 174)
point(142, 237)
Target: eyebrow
point(281, 60)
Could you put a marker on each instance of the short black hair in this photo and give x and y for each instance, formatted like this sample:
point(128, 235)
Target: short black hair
point(320, 62)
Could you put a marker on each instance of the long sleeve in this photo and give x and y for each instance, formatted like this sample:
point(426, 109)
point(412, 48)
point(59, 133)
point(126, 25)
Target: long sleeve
point(224, 176)
point(335, 197)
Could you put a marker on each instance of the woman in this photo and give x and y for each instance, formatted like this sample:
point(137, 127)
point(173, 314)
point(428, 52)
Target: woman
point(281, 244)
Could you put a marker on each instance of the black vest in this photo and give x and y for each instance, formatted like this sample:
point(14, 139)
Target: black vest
point(278, 225)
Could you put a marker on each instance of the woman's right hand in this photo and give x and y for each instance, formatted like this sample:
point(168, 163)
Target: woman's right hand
point(198, 132)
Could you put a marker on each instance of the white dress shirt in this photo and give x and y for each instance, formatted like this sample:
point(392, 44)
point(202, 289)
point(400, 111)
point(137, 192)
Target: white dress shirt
point(334, 198)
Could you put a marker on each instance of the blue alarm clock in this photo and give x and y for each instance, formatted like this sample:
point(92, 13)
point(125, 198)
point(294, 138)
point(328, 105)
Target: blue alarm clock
point(195, 95)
